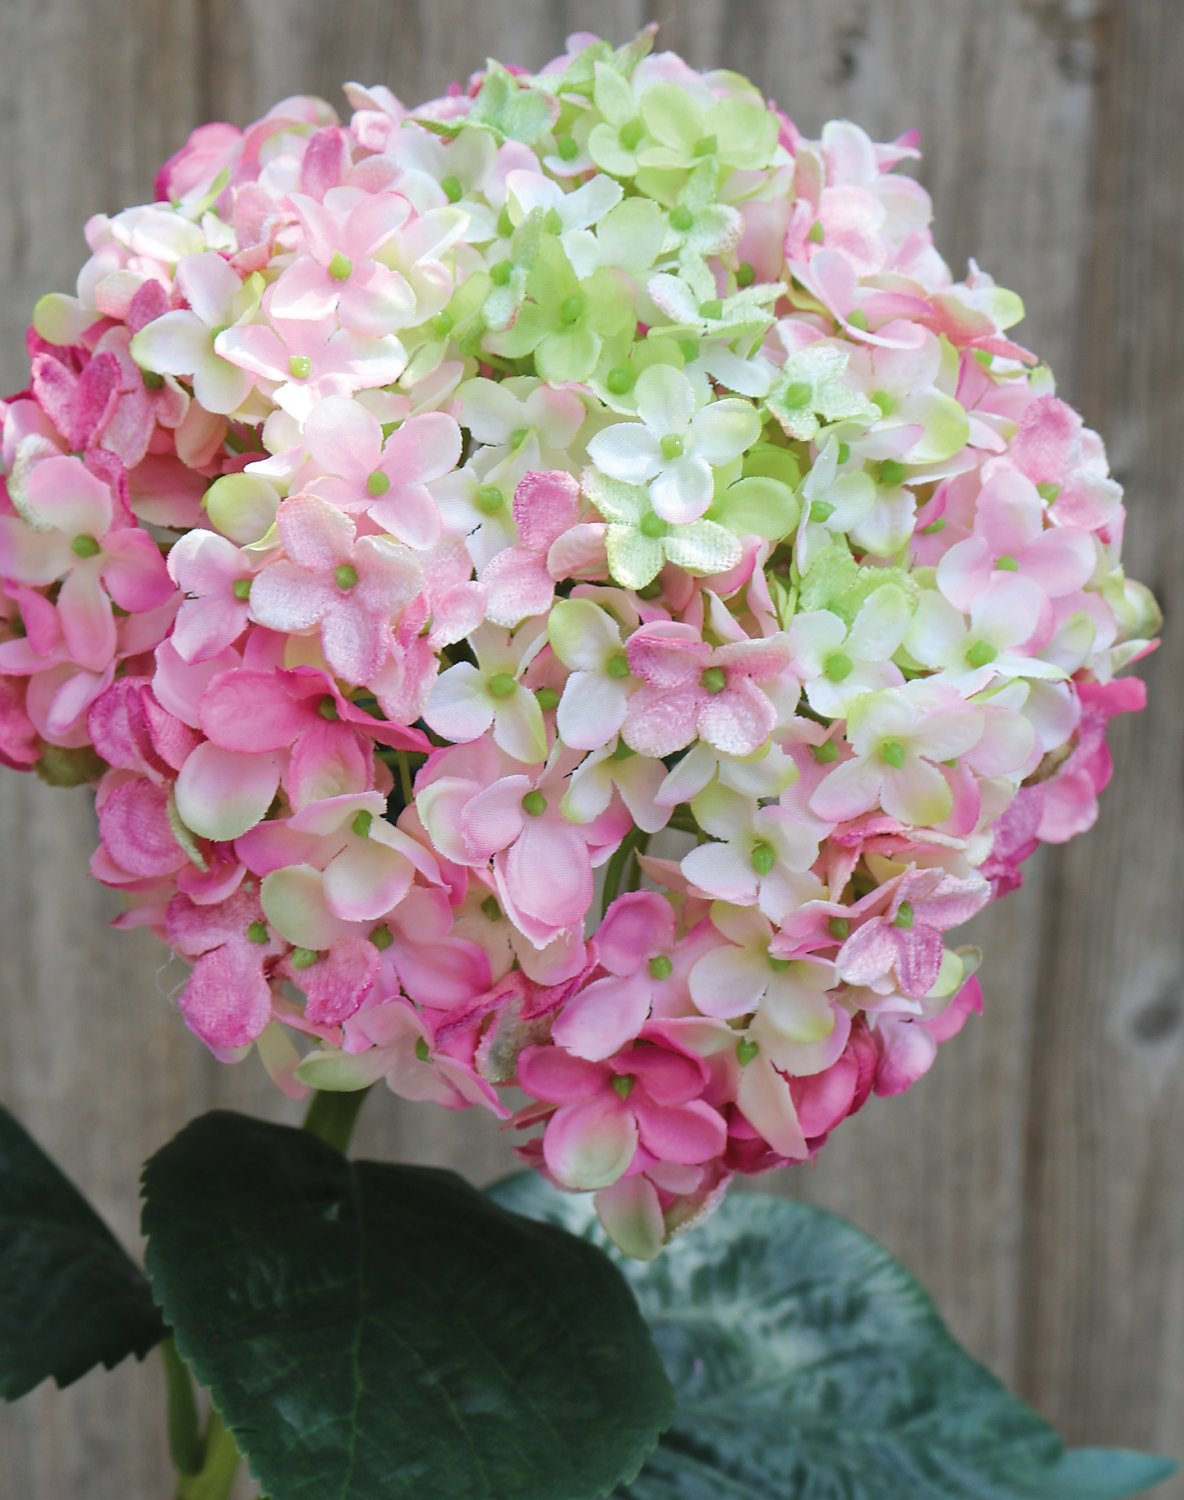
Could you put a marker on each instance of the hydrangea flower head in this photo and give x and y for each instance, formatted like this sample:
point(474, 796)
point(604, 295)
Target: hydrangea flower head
point(561, 588)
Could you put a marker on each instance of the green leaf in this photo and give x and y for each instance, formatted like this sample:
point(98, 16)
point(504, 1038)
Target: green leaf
point(376, 1332)
point(70, 1296)
point(809, 1364)
point(512, 111)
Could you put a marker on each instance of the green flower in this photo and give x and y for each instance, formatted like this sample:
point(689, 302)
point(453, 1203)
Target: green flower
point(639, 543)
point(811, 387)
point(739, 131)
point(565, 320)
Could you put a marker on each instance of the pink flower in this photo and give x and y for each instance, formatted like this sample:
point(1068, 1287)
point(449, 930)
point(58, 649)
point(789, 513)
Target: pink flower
point(338, 272)
point(520, 581)
point(352, 589)
point(388, 481)
point(903, 943)
point(215, 577)
point(227, 1000)
point(691, 690)
point(641, 1106)
point(69, 533)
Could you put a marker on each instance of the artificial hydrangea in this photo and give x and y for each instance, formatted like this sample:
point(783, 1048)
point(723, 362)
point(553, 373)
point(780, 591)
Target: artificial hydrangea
point(408, 520)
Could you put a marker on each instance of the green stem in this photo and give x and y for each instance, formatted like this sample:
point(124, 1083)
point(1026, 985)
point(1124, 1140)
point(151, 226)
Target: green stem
point(332, 1116)
point(405, 777)
point(219, 1469)
point(615, 869)
point(185, 1445)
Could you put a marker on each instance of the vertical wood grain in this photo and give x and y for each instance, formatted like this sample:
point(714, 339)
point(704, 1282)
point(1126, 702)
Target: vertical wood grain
point(1031, 1180)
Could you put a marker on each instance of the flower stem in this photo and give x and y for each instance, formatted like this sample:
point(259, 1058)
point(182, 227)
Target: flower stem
point(220, 1465)
point(185, 1444)
point(332, 1116)
point(615, 870)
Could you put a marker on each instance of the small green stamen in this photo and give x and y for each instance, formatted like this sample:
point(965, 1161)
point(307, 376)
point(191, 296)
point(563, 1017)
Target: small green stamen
point(1048, 491)
point(714, 679)
point(85, 546)
point(904, 916)
point(892, 473)
point(548, 698)
point(623, 1084)
point(303, 958)
point(682, 220)
point(843, 454)
point(746, 1050)
point(652, 525)
point(980, 654)
point(797, 394)
point(839, 928)
point(858, 319)
point(257, 932)
point(630, 134)
point(534, 804)
point(745, 274)
point(622, 751)
point(361, 822)
point(299, 366)
point(382, 938)
point(572, 308)
point(885, 402)
point(816, 234)
point(838, 666)
point(340, 267)
point(661, 967)
point(442, 324)
point(422, 1050)
point(500, 273)
point(1006, 563)
point(892, 754)
point(779, 965)
point(501, 685)
point(619, 381)
point(453, 190)
point(711, 310)
point(490, 499)
point(618, 665)
point(568, 148)
point(826, 753)
point(491, 909)
point(327, 708)
point(821, 510)
point(763, 858)
point(346, 576)
point(377, 483)
point(672, 446)
point(241, 589)
point(934, 527)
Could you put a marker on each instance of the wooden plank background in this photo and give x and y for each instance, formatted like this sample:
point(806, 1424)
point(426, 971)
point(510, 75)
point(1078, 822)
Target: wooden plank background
point(1034, 1180)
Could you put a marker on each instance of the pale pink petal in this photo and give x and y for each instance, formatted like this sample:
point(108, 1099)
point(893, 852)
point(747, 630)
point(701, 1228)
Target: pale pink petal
point(729, 981)
point(315, 534)
point(222, 793)
point(549, 872)
point(590, 1145)
point(918, 793)
point(87, 622)
point(636, 925)
point(556, 1077)
point(134, 571)
point(739, 720)
point(227, 1002)
point(517, 585)
point(659, 721)
point(686, 1133)
point(287, 598)
point(493, 819)
point(765, 1101)
point(134, 827)
point(63, 493)
point(356, 643)
point(850, 789)
point(337, 983)
point(459, 708)
point(631, 1214)
point(366, 880)
point(604, 1017)
point(592, 709)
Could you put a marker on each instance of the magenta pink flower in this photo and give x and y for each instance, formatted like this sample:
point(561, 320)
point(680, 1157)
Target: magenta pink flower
point(641, 1106)
point(352, 589)
point(691, 690)
point(69, 534)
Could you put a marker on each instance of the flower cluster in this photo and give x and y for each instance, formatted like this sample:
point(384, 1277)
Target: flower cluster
point(409, 519)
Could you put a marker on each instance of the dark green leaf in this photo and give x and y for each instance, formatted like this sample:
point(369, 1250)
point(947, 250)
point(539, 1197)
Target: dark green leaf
point(70, 1296)
point(809, 1365)
point(373, 1331)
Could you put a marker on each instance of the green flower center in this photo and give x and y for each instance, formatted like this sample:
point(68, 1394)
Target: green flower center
point(346, 576)
point(377, 483)
point(745, 274)
point(1006, 563)
point(630, 134)
point(746, 1050)
point(661, 967)
point(241, 589)
point(501, 685)
point(442, 324)
point(453, 190)
point(714, 679)
point(904, 916)
point(85, 546)
point(623, 1084)
point(572, 308)
point(534, 804)
point(257, 932)
point(839, 928)
point(500, 273)
point(490, 499)
point(422, 1050)
point(682, 220)
point(340, 267)
point(568, 148)
point(382, 938)
point(797, 394)
point(299, 366)
point(672, 446)
point(980, 654)
point(618, 665)
point(892, 473)
point(360, 825)
point(303, 958)
point(838, 666)
point(619, 381)
point(652, 525)
point(892, 754)
point(825, 753)
point(763, 858)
